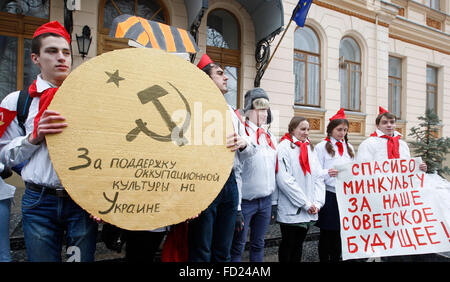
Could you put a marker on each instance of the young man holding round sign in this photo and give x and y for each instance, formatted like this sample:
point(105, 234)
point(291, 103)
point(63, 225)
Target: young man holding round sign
point(47, 209)
point(211, 234)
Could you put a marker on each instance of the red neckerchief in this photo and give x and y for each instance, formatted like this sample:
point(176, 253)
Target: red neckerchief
point(6, 117)
point(269, 141)
point(303, 158)
point(239, 115)
point(338, 144)
point(262, 131)
point(246, 125)
point(393, 145)
point(45, 99)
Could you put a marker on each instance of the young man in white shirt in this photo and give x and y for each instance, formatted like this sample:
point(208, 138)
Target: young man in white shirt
point(258, 179)
point(211, 233)
point(48, 211)
point(385, 142)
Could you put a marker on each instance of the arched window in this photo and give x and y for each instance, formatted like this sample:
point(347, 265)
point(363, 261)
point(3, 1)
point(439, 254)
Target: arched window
point(350, 74)
point(18, 21)
point(307, 67)
point(223, 46)
point(109, 9)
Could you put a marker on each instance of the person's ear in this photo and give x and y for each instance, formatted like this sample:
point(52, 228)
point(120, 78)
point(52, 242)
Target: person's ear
point(35, 58)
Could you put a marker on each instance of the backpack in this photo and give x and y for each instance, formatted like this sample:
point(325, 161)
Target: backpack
point(23, 107)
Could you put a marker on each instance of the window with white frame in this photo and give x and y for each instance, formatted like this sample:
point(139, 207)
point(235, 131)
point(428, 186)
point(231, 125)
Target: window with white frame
point(432, 88)
point(350, 74)
point(307, 67)
point(395, 85)
point(434, 4)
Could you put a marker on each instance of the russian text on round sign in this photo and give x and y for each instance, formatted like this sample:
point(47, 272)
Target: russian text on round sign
point(145, 145)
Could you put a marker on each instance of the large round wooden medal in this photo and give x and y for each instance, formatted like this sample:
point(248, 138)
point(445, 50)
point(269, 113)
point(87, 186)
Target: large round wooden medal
point(145, 142)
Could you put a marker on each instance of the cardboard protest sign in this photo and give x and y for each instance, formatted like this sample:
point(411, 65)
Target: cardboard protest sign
point(389, 208)
point(145, 142)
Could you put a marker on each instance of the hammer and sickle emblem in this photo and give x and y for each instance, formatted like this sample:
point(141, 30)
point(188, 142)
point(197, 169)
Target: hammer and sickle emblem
point(152, 94)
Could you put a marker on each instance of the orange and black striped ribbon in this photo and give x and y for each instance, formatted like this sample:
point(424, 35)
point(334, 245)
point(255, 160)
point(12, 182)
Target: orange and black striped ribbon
point(153, 34)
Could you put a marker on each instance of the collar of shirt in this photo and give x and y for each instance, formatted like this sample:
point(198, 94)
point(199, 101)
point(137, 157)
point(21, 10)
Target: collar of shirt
point(42, 85)
point(380, 133)
point(334, 141)
point(252, 125)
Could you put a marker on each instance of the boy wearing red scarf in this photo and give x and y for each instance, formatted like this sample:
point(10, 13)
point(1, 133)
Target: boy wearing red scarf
point(385, 142)
point(211, 233)
point(47, 209)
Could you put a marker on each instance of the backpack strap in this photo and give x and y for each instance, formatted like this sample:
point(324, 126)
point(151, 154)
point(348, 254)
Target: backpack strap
point(23, 107)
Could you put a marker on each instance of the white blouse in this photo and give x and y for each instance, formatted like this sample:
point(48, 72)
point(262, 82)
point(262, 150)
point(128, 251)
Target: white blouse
point(297, 192)
point(327, 161)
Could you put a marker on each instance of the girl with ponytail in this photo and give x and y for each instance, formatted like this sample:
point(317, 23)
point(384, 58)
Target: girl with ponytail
point(300, 189)
point(334, 150)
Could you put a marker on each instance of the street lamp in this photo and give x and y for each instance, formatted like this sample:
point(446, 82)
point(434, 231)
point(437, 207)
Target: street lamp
point(84, 41)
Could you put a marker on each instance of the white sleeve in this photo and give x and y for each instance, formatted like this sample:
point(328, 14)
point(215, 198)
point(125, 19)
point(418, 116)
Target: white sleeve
point(274, 196)
point(287, 184)
point(275, 193)
point(408, 152)
point(14, 146)
point(318, 180)
point(238, 174)
point(321, 152)
point(239, 128)
point(364, 152)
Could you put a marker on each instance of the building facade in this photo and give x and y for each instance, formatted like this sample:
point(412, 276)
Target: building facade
point(356, 54)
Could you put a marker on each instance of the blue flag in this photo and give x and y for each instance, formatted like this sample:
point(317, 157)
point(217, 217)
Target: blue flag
point(301, 11)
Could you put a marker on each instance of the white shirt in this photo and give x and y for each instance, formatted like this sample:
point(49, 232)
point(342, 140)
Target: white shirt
point(6, 190)
point(297, 192)
point(249, 151)
point(258, 171)
point(15, 148)
point(375, 148)
point(327, 161)
point(239, 128)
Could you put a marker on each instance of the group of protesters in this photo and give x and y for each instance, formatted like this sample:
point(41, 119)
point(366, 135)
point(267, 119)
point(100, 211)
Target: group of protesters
point(291, 181)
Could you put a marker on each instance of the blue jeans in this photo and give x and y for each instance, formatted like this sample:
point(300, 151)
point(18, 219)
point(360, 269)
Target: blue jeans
point(5, 211)
point(46, 217)
point(257, 215)
point(211, 234)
